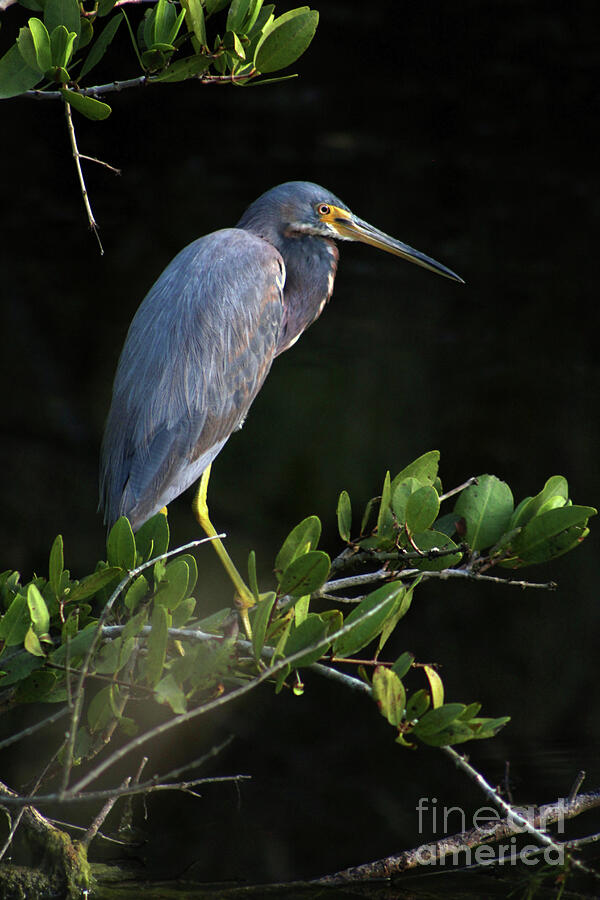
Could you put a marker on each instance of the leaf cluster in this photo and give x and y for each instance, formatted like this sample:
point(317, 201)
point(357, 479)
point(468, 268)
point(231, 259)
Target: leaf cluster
point(174, 41)
point(161, 651)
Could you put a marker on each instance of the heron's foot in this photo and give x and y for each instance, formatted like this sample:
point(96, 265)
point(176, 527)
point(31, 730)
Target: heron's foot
point(244, 598)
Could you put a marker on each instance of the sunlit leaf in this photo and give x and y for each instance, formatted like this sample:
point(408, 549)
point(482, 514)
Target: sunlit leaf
point(56, 566)
point(157, 645)
point(486, 508)
point(344, 516)
point(16, 73)
point(260, 620)
point(40, 617)
point(285, 39)
point(91, 109)
point(389, 695)
point(304, 537)
point(310, 632)
point(381, 604)
point(422, 508)
point(62, 12)
point(168, 691)
point(436, 686)
point(424, 469)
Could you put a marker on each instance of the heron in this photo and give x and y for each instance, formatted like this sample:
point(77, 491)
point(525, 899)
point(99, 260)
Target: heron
point(204, 338)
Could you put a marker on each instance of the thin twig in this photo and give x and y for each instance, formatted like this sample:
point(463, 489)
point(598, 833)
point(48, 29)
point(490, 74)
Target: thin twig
point(77, 158)
point(576, 786)
point(95, 159)
point(98, 821)
point(27, 732)
point(457, 490)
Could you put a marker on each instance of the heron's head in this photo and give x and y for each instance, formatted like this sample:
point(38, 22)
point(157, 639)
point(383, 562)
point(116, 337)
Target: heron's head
point(299, 208)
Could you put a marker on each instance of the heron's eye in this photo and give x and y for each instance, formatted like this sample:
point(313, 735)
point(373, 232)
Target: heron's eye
point(323, 209)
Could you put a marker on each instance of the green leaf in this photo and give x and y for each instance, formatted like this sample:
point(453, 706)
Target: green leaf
point(183, 69)
point(377, 607)
point(183, 613)
point(194, 15)
point(556, 486)
point(91, 109)
point(38, 688)
point(86, 34)
point(304, 537)
point(422, 508)
point(436, 686)
point(41, 42)
point(401, 491)
point(401, 608)
point(176, 584)
point(437, 719)
point(105, 7)
point(486, 508)
point(389, 695)
point(135, 624)
point(301, 607)
point(417, 705)
point(78, 646)
point(424, 469)
point(252, 579)
point(403, 664)
point(136, 593)
point(97, 51)
point(152, 539)
point(15, 622)
point(107, 661)
point(260, 621)
point(168, 691)
point(62, 12)
point(385, 521)
point(215, 6)
point(551, 533)
point(238, 12)
point(305, 574)
point(310, 632)
point(93, 583)
point(157, 645)
point(285, 39)
point(40, 617)
point(344, 516)
point(32, 643)
point(120, 544)
point(435, 540)
point(18, 667)
point(56, 566)
point(16, 72)
point(100, 711)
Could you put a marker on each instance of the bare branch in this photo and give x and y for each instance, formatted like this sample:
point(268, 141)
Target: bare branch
point(77, 158)
point(141, 81)
point(451, 845)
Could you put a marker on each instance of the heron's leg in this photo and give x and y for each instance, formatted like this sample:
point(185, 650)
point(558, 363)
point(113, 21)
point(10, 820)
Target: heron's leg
point(244, 597)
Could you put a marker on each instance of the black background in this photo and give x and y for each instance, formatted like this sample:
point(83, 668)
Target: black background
point(468, 131)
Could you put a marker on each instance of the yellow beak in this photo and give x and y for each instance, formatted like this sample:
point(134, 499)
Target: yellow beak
point(351, 228)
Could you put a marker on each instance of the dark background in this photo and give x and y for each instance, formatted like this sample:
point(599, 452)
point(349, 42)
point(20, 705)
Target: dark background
point(468, 131)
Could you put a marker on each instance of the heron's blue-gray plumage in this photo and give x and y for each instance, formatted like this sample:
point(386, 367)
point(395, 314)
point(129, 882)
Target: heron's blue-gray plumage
point(197, 353)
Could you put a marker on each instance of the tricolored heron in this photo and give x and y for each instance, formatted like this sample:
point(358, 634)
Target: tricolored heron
point(203, 340)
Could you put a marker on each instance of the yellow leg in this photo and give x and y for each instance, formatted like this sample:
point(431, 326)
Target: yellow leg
point(244, 598)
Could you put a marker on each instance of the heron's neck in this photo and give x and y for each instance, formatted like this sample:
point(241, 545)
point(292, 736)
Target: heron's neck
point(310, 265)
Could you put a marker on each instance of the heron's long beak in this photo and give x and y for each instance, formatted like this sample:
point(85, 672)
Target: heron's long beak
point(350, 227)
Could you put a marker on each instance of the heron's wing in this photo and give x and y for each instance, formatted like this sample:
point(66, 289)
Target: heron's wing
point(196, 355)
